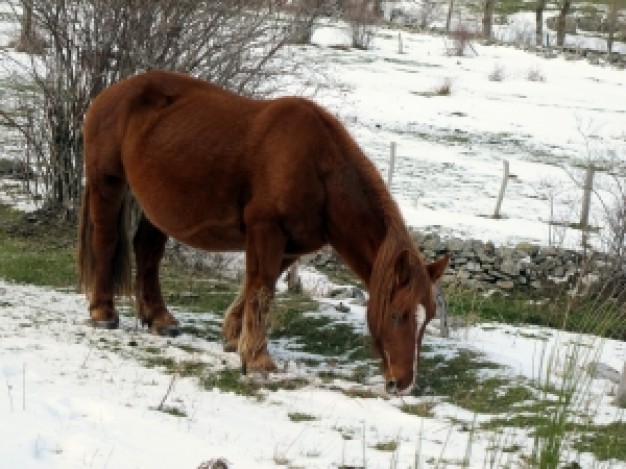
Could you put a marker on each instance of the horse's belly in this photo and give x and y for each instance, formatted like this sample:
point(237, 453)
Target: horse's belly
point(206, 226)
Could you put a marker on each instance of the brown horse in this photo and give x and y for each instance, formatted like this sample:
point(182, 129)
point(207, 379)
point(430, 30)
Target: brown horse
point(277, 178)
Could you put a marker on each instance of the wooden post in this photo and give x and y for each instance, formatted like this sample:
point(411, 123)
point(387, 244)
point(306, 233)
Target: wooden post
point(442, 312)
point(505, 180)
point(621, 390)
point(449, 15)
point(392, 163)
point(294, 285)
point(400, 45)
point(584, 213)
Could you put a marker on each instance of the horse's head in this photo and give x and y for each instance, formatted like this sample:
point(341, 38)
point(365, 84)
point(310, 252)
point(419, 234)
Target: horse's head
point(409, 300)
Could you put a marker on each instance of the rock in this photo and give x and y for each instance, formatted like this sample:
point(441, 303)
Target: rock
point(601, 371)
point(510, 267)
point(527, 248)
point(342, 308)
point(505, 284)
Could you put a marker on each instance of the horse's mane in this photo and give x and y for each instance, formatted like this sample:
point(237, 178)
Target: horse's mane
point(396, 248)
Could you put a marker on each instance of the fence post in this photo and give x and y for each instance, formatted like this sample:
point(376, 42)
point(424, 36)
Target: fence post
point(392, 163)
point(505, 180)
point(294, 285)
point(400, 45)
point(621, 389)
point(442, 312)
point(584, 213)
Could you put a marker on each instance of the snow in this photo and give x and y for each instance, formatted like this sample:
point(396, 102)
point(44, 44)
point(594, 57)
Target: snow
point(450, 148)
point(77, 397)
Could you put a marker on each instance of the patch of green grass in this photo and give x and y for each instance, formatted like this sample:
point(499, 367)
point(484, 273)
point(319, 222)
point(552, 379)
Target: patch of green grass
point(604, 441)
point(539, 422)
point(172, 410)
point(230, 380)
point(203, 330)
point(442, 375)
point(185, 368)
point(321, 335)
point(188, 348)
point(167, 363)
point(288, 384)
point(31, 262)
point(362, 393)
point(301, 417)
point(391, 445)
point(194, 291)
point(421, 409)
point(604, 318)
point(491, 396)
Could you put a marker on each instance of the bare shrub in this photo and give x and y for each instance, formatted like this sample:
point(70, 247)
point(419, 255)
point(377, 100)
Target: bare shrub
point(497, 74)
point(444, 88)
point(362, 20)
point(429, 11)
point(535, 74)
point(461, 37)
point(302, 16)
point(93, 43)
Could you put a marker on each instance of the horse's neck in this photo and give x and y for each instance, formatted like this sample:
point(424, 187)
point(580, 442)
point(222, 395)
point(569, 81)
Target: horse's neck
point(363, 234)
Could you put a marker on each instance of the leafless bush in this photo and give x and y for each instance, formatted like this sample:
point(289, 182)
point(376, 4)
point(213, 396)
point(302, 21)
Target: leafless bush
point(497, 74)
point(535, 74)
point(302, 15)
point(609, 215)
point(93, 43)
point(362, 19)
point(444, 88)
point(461, 37)
point(429, 11)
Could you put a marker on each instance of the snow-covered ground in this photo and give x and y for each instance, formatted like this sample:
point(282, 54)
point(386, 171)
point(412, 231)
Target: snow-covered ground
point(76, 397)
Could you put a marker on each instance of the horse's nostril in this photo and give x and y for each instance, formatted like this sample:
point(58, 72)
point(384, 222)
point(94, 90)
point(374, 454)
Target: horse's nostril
point(392, 386)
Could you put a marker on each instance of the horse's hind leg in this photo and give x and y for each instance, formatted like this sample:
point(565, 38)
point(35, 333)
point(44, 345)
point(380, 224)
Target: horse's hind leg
point(149, 245)
point(106, 204)
point(233, 319)
point(265, 247)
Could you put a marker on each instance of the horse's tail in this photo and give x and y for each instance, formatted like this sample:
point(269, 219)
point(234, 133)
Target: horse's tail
point(122, 264)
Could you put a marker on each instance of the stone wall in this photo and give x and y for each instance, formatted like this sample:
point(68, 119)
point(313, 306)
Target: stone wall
point(484, 266)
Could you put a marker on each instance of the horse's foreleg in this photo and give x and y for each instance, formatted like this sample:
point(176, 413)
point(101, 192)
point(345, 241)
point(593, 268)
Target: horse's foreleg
point(149, 245)
point(233, 319)
point(231, 329)
point(265, 248)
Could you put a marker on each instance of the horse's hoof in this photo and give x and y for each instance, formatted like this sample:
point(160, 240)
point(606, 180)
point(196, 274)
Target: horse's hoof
point(164, 325)
point(262, 363)
point(110, 324)
point(166, 331)
point(230, 347)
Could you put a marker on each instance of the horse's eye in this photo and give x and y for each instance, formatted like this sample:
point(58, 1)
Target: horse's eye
point(398, 318)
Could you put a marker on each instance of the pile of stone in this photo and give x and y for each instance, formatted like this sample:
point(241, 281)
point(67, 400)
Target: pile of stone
point(484, 266)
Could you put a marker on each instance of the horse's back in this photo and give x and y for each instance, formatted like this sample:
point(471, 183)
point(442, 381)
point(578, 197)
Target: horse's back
point(204, 162)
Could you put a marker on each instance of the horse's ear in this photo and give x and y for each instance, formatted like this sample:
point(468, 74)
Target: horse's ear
point(437, 268)
point(403, 270)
